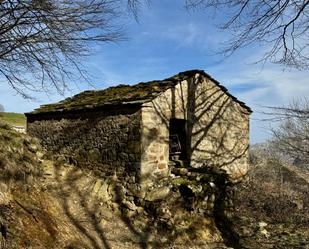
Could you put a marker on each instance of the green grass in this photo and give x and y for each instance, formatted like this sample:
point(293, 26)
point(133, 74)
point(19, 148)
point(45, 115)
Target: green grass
point(13, 118)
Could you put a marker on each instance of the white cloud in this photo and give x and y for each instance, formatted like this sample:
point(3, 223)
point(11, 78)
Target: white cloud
point(199, 35)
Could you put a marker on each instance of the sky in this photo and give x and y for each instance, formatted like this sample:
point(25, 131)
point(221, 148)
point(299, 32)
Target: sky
point(168, 39)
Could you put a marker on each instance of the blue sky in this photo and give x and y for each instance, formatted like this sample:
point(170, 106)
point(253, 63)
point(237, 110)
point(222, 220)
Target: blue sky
point(168, 39)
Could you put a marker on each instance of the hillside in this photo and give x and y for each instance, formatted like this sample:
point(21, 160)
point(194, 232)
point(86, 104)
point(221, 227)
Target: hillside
point(12, 118)
point(272, 205)
point(50, 204)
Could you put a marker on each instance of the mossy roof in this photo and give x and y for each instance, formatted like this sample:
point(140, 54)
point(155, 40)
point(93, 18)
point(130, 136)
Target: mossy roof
point(123, 94)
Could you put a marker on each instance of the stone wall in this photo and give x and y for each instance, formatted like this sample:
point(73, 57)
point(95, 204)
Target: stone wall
point(220, 130)
point(108, 143)
point(217, 129)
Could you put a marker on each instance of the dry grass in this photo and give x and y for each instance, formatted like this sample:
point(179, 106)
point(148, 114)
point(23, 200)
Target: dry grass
point(278, 194)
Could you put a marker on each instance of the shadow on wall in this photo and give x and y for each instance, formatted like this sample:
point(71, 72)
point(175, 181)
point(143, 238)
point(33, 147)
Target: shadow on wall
point(217, 127)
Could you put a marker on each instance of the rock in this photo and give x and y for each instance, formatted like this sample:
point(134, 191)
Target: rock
point(197, 189)
point(130, 205)
point(33, 147)
point(5, 194)
point(157, 194)
point(245, 231)
point(103, 193)
point(97, 186)
point(129, 213)
point(139, 210)
point(262, 224)
point(100, 189)
point(39, 154)
point(165, 213)
point(264, 232)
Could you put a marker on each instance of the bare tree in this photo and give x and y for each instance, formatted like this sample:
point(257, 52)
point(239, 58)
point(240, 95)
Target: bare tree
point(1, 108)
point(292, 135)
point(281, 26)
point(42, 41)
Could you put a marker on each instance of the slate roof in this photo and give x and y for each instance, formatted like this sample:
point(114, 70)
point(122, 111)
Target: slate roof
point(125, 94)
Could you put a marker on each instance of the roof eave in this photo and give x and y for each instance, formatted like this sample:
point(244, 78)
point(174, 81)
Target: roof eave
point(83, 109)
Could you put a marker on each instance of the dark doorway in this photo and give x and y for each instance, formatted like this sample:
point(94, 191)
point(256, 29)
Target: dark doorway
point(178, 135)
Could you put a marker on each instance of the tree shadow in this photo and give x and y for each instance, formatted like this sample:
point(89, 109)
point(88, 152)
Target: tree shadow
point(217, 126)
point(80, 208)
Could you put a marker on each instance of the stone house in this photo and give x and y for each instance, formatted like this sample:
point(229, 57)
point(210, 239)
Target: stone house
point(139, 131)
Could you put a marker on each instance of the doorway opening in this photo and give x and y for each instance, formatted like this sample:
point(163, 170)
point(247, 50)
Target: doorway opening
point(178, 139)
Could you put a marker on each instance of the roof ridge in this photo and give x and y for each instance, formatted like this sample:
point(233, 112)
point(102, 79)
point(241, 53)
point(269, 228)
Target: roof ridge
point(190, 73)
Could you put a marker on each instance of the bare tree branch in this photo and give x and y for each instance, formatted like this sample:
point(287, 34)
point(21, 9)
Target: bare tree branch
point(292, 135)
point(281, 26)
point(42, 41)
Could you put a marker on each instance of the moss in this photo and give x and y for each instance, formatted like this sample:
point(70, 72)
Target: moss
point(112, 95)
point(141, 92)
point(183, 181)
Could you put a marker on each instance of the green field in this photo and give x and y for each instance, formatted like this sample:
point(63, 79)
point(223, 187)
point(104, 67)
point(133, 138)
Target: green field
point(13, 118)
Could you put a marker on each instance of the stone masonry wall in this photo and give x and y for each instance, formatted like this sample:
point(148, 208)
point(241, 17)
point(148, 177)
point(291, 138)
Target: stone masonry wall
point(217, 129)
point(220, 131)
point(110, 144)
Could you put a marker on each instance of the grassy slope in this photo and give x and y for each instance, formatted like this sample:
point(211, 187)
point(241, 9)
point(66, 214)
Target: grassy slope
point(13, 118)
